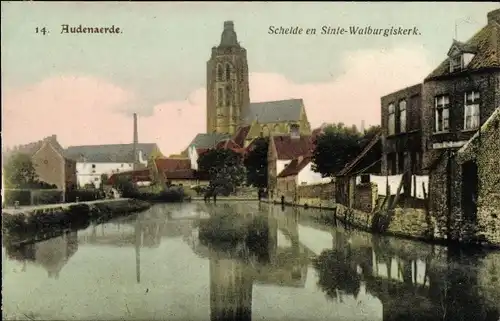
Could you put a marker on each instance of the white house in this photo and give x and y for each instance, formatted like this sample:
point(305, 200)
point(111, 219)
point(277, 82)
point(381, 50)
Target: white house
point(94, 161)
point(306, 176)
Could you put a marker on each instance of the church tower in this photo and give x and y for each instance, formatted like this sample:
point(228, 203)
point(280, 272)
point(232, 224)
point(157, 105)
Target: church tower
point(227, 83)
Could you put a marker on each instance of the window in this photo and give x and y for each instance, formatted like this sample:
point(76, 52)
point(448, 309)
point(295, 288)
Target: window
point(294, 130)
point(402, 116)
point(122, 165)
point(392, 119)
point(456, 63)
point(93, 165)
point(228, 71)
point(220, 72)
point(220, 96)
point(96, 179)
point(442, 110)
point(471, 109)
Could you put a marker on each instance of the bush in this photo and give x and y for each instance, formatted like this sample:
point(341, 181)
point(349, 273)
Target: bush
point(47, 197)
point(84, 195)
point(11, 196)
point(170, 195)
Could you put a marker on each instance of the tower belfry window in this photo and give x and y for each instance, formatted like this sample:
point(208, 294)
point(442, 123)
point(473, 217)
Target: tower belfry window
point(220, 72)
point(228, 71)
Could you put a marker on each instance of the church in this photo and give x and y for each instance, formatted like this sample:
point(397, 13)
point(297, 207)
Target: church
point(231, 117)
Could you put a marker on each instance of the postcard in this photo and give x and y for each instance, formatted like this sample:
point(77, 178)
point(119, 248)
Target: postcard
point(250, 161)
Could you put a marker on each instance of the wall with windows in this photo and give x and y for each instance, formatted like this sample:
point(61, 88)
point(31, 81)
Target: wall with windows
point(90, 173)
point(401, 138)
point(454, 108)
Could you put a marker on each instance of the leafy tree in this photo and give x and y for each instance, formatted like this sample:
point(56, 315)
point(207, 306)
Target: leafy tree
point(20, 172)
point(339, 145)
point(125, 186)
point(335, 148)
point(256, 163)
point(224, 168)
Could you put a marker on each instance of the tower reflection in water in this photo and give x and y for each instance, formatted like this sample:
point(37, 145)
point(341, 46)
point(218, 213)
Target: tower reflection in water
point(261, 259)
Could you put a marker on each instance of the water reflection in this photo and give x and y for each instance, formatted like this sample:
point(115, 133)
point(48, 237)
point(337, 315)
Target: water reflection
point(52, 254)
point(321, 273)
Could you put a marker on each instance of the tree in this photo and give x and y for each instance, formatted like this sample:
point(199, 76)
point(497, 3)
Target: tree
point(125, 186)
point(20, 172)
point(339, 145)
point(336, 147)
point(224, 168)
point(256, 163)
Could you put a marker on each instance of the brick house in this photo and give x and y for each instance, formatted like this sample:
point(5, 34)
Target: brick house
point(282, 151)
point(480, 189)
point(50, 161)
point(457, 99)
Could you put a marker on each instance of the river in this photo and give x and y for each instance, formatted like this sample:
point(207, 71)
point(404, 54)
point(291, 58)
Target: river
point(152, 266)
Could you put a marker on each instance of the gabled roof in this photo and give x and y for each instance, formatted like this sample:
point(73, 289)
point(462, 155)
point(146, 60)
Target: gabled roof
point(113, 153)
point(485, 43)
point(462, 48)
point(288, 148)
point(348, 168)
point(33, 147)
point(230, 144)
point(273, 111)
point(172, 164)
point(295, 167)
point(241, 134)
point(207, 141)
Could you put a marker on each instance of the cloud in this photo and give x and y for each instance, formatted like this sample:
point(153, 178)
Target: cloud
point(85, 110)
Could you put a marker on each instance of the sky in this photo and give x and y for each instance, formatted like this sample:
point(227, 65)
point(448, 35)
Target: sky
point(84, 88)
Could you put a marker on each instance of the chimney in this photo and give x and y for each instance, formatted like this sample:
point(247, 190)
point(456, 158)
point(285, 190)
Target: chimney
point(494, 16)
point(362, 127)
point(136, 141)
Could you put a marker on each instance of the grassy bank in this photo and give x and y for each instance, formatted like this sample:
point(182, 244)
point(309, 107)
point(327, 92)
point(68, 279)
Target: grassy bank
point(51, 220)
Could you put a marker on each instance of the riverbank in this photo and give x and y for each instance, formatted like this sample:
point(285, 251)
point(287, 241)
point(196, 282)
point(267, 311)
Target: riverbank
point(226, 198)
point(28, 223)
point(405, 223)
point(312, 203)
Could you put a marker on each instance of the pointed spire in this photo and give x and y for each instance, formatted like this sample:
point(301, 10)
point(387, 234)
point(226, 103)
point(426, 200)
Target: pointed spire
point(229, 37)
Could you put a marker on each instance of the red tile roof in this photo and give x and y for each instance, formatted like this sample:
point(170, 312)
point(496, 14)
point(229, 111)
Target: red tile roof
point(289, 148)
point(295, 167)
point(172, 164)
point(240, 135)
point(142, 175)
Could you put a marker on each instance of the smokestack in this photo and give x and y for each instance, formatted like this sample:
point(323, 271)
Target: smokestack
point(362, 126)
point(136, 141)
